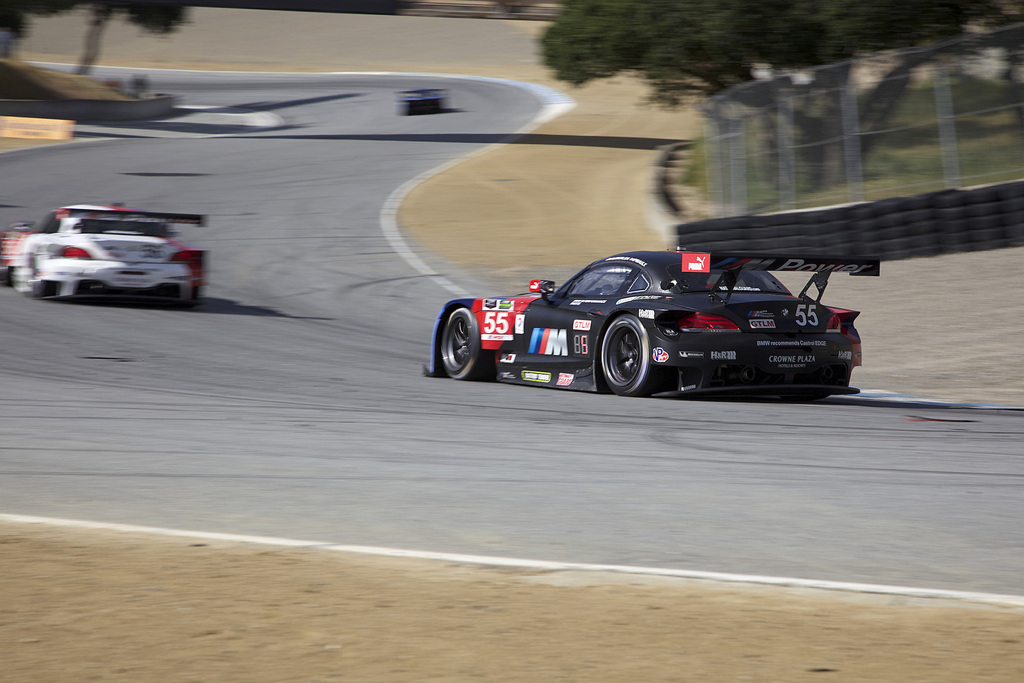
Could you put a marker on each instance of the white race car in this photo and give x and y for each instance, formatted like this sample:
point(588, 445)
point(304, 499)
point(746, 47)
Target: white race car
point(103, 252)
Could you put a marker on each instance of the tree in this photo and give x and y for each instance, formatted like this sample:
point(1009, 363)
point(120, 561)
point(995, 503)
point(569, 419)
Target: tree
point(160, 19)
point(699, 47)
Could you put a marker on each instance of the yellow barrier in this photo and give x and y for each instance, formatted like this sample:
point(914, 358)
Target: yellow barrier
point(36, 129)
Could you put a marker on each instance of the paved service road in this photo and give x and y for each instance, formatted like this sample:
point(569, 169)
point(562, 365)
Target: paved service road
point(292, 403)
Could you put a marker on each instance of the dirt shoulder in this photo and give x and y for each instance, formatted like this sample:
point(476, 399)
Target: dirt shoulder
point(92, 605)
point(105, 606)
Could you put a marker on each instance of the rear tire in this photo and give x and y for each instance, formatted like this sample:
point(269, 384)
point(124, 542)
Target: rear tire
point(17, 277)
point(461, 352)
point(26, 280)
point(42, 289)
point(626, 360)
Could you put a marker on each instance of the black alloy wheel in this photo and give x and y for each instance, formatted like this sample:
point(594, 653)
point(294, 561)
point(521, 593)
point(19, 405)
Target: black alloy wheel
point(461, 353)
point(626, 360)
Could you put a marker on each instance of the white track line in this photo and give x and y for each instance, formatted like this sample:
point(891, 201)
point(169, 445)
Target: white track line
point(993, 599)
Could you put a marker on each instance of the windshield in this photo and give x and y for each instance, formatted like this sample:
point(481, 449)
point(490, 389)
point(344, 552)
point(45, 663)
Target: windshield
point(106, 226)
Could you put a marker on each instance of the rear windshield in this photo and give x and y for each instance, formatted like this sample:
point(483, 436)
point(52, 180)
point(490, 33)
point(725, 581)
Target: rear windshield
point(97, 226)
point(679, 282)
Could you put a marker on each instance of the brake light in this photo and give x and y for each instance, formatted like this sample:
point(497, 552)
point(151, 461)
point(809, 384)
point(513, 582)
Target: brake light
point(841, 320)
point(193, 258)
point(75, 252)
point(188, 256)
point(691, 322)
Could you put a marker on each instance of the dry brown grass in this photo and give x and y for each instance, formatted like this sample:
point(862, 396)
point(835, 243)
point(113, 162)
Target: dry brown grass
point(20, 81)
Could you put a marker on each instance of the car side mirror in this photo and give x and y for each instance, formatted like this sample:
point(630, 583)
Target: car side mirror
point(22, 226)
point(543, 287)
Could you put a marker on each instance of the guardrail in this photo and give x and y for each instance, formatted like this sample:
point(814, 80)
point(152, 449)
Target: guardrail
point(154, 107)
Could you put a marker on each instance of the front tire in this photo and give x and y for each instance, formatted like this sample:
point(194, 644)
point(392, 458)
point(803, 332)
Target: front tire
point(461, 352)
point(626, 360)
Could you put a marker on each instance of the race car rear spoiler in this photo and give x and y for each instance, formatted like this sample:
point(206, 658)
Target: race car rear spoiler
point(818, 267)
point(797, 264)
point(186, 218)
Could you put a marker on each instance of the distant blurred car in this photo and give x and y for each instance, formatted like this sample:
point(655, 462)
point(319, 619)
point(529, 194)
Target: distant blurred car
point(103, 252)
point(422, 101)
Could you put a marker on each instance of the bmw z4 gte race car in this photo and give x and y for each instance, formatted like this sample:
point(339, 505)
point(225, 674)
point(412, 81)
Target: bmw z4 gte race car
point(103, 252)
point(645, 322)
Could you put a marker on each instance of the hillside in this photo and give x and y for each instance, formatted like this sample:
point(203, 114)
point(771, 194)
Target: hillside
point(20, 81)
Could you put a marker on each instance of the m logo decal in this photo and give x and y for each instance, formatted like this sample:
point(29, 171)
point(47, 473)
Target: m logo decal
point(549, 342)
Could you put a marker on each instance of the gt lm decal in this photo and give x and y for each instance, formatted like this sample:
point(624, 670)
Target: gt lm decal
point(549, 342)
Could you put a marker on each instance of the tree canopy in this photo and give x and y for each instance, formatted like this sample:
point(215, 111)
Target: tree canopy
point(14, 14)
point(699, 47)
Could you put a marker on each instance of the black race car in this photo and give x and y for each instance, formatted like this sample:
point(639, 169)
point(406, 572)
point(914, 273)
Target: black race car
point(646, 322)
point(421, 101)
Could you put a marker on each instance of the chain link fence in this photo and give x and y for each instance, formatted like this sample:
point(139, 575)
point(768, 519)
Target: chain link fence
point(898, 123)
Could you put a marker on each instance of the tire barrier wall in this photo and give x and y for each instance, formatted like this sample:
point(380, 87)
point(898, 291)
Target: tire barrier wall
point(91, 110)
point(943, 222)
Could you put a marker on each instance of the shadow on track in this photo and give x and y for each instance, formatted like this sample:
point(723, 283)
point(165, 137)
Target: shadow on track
point(607, 141)
point(206, 305)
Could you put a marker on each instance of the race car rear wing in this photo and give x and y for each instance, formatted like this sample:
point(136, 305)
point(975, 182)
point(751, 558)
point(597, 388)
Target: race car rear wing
point(799, 264)
point(819, 268)
point(185, 218)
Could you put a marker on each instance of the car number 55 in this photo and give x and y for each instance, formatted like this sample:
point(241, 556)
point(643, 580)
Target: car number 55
point(806, 314)
point(497, 326)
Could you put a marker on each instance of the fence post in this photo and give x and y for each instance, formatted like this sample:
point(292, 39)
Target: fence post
point(851, 137)
point(738, 165)
point(947, 127)
point(713, 166)
point(787, 158)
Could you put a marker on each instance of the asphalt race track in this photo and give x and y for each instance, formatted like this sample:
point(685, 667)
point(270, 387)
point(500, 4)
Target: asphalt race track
point(293, 404)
